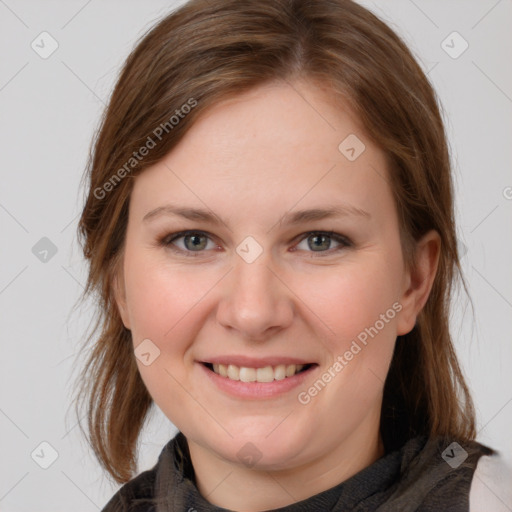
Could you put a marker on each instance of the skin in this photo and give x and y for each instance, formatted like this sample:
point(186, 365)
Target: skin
point(250, 160)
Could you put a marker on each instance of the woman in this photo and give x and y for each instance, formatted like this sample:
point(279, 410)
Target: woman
point(270, 228)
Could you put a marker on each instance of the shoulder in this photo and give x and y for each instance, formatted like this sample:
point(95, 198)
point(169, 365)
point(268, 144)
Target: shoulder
point(491, 487)
point(134, 495)
point(148, 489)
point(436, 474)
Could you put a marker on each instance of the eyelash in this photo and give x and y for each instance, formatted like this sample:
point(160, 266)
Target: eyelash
point(167, 241)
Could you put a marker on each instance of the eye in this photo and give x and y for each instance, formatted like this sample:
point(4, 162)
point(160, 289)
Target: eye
point(193, 243)
point(321, 242)
point(188, 242)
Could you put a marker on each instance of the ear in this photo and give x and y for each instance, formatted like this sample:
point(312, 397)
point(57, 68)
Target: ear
point(418, 281)
point(119, 291)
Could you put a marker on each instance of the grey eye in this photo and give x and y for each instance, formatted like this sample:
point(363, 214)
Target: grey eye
point(319, 242)
point(195, 242)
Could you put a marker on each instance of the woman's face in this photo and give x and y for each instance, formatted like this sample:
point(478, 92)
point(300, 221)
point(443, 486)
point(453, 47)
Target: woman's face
point(259, 287)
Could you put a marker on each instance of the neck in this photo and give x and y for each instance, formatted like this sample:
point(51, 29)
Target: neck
point(227, 485)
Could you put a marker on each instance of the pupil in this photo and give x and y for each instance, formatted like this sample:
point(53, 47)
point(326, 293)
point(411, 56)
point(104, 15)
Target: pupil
point(196, 241)
point(320, 240)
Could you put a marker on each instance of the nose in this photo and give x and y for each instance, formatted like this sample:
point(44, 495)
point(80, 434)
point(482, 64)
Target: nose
point(255, 302)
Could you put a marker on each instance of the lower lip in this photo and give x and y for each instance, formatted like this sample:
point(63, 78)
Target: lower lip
point(257, 390)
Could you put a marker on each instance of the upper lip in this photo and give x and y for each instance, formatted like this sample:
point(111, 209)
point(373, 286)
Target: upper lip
point(255, 362)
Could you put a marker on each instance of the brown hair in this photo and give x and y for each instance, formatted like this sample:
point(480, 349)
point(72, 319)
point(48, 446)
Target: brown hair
point(207, 51)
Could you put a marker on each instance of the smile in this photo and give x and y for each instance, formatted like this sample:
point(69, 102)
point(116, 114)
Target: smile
point(264, 374)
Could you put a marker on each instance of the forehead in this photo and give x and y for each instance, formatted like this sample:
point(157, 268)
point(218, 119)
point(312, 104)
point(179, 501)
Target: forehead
point(274, 147)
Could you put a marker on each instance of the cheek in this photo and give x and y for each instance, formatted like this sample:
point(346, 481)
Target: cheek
point(351, 300)
point(164, 304)
point(359, 307)
point(161, 297)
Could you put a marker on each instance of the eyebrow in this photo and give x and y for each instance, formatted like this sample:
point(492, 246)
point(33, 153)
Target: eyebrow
point(291, 218)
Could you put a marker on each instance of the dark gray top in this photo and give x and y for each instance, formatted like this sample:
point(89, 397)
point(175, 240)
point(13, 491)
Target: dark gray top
point(417, 477)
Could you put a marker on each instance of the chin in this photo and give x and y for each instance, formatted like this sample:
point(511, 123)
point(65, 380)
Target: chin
point(261, 447)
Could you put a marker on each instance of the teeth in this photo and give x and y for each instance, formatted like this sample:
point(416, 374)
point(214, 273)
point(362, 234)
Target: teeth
point(247, 374)
point(280, 372)
point(233, 372)
point(290, 370)
point(265, 374)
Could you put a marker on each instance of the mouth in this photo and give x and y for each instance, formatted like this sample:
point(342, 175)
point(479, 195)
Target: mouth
point(264, 374)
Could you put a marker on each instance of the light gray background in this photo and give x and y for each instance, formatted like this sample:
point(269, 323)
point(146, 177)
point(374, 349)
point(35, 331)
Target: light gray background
point(49, 110)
